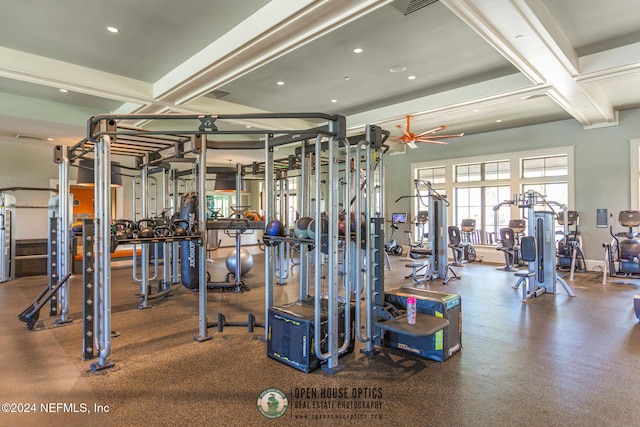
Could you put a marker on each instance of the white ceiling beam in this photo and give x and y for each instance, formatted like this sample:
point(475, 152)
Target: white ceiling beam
point(524, 32)
point(36, 69)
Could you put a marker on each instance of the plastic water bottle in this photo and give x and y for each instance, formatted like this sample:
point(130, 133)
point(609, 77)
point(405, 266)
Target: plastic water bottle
point(411, 310)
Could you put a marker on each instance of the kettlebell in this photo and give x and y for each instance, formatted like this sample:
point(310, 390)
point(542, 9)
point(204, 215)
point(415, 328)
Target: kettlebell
point(180, 227)
point(146, 231)
point(123, 229)
point(162, 230)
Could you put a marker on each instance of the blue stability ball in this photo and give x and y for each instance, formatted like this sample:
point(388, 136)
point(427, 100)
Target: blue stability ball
point(274, 228)
point(246, 261)
point(301, 226)
point(311, 230)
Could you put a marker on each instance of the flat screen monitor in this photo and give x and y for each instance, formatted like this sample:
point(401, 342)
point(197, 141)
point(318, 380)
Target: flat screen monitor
point(399, 217)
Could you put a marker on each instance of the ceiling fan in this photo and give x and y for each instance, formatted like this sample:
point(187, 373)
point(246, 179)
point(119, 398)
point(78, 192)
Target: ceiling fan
point(410, 139)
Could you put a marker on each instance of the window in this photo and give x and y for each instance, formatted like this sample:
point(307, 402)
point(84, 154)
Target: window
point(493, 197)
point(497, 170)
point(556, 191)
point(544, 166)
point(481, 183)
point(435, 175)
point(466, 173)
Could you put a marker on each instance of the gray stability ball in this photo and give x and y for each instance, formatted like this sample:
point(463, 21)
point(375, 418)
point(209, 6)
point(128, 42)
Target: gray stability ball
point(246, 261)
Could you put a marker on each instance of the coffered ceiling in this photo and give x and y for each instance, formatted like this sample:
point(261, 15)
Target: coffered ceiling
point(476, 65)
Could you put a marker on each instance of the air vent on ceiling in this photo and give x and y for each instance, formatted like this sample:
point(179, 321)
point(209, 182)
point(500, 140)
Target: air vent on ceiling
point(217, 94)
point(533, 96)
point(30, 137)
point(410, 6)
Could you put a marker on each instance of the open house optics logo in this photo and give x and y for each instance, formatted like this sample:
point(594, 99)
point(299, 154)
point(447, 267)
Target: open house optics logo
point(272, 403)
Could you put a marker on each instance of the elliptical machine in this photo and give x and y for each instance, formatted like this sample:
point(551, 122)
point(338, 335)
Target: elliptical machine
point(467, 228)
point(393, 247)
point(569, 249)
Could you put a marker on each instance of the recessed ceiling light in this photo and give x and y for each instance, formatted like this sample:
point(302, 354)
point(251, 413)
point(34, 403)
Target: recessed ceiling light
point(49, 139)
point(397, 69)
point(476, 110)
point(519, 36)
point(357, 50)
point(248, 126)
point(280, 83)
point(498, 121)
point(411, 77)
point(334, 100)
point(347, 78)
point(63, 90)
point(112, 29)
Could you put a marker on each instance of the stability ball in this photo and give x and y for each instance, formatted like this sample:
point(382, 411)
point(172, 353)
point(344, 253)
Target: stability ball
point(246, 261)
point(301, 226)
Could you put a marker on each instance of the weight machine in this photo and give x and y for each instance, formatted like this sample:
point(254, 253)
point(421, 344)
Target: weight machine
point(540, 250)
point(436, 263)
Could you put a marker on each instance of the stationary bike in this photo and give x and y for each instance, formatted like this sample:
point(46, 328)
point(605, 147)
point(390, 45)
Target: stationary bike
point(393, 247)
point(623, 253)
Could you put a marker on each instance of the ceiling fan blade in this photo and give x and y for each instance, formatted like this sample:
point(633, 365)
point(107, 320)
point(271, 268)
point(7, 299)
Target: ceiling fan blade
point(438, 129)
point(404, 132)
point(458, 135)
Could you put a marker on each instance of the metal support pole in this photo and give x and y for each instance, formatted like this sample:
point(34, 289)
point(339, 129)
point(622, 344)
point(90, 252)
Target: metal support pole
point(88, 308)
point(200, 144)
point(64, 227)
point(175, 197)
point(303, 201)
point(144, 258)
point(52, 268)
point(269, 276)
point(102, 276)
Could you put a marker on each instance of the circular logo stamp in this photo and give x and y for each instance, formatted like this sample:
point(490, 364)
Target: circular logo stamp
point(272, 403)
